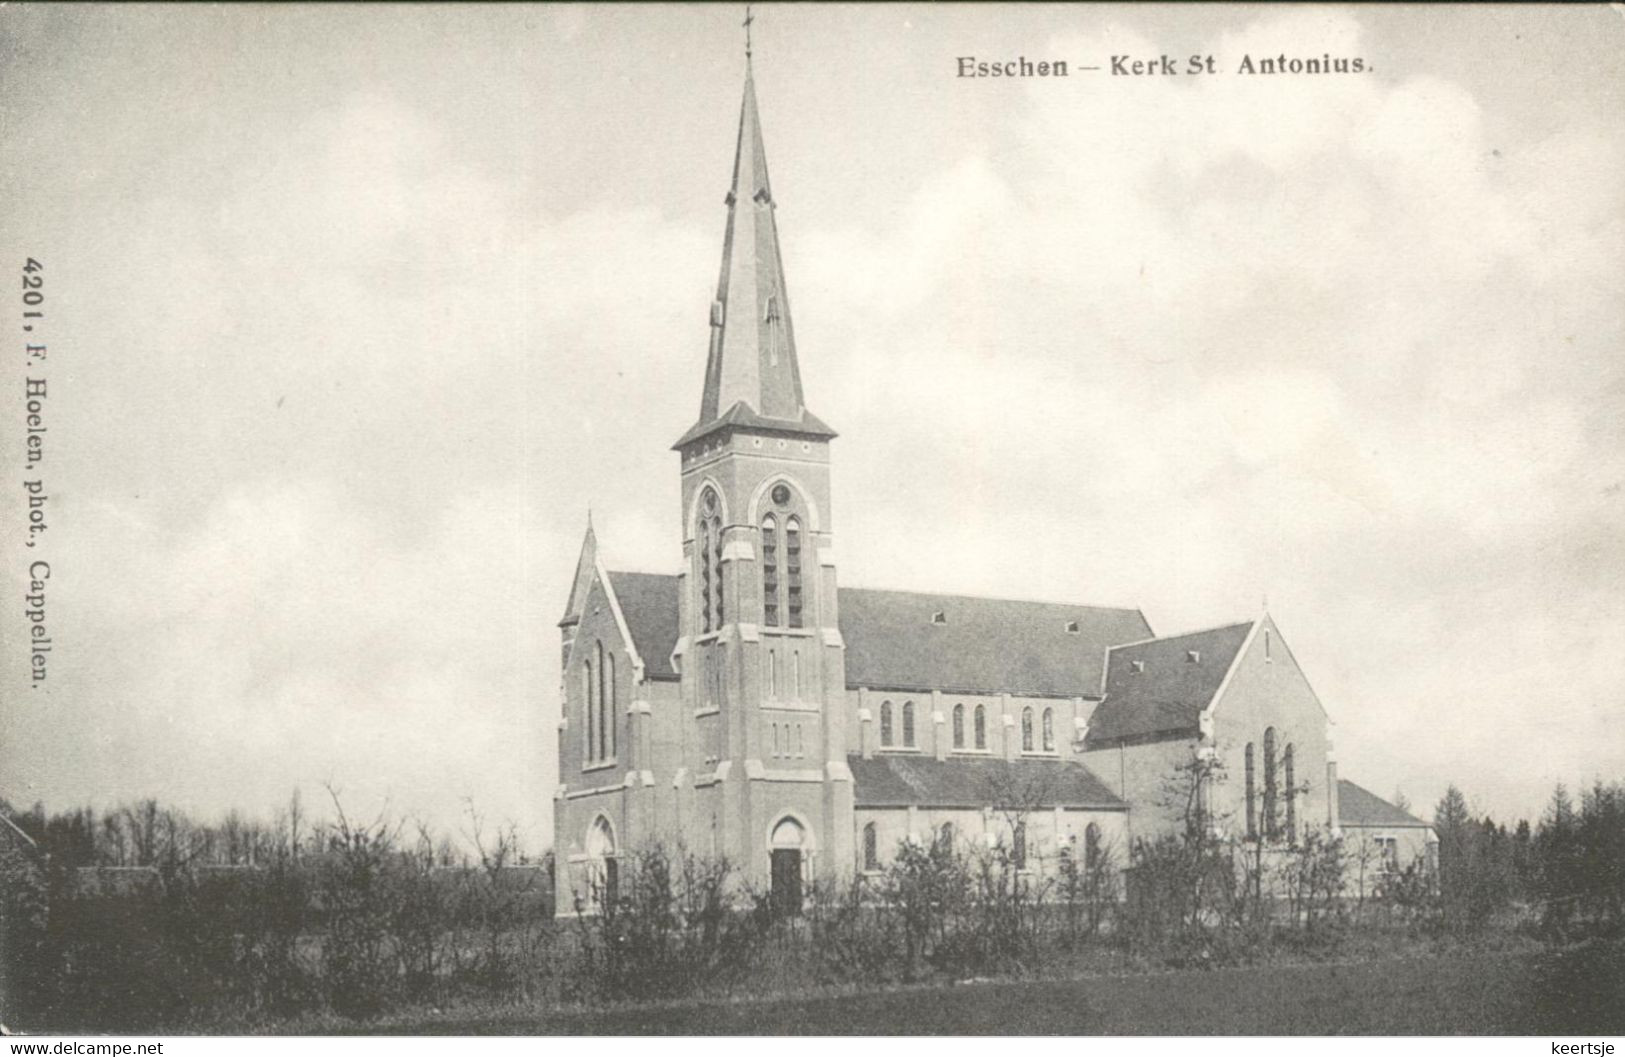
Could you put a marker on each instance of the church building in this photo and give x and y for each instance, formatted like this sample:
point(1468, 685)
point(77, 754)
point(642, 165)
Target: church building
point(748, 706)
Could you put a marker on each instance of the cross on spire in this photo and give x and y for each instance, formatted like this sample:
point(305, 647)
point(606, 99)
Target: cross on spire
point(749, 18)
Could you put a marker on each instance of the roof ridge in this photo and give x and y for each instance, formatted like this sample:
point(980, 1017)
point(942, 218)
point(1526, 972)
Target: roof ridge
point(995, 598)
point(1184, 634)
point(950, 594)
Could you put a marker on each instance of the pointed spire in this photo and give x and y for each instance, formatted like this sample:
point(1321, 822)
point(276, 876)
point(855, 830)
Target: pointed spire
point(586, 566)
point(751, 372)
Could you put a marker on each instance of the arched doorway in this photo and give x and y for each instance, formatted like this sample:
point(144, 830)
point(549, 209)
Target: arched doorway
point(603, 877)
point(785, 849)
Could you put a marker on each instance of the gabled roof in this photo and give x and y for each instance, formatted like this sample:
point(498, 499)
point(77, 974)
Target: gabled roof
point(983, 645)
point(894, 780)
point(649, 605)
point(1154, 687)
point(1358, 806)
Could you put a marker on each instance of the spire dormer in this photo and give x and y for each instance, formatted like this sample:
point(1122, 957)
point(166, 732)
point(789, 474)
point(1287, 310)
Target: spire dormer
point(752, 378)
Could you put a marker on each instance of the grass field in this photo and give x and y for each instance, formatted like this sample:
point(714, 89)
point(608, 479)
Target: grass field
point(1576, 991)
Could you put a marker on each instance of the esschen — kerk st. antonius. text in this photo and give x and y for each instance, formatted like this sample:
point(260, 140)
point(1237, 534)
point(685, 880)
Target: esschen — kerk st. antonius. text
point(1161, 65)
point(747, 706)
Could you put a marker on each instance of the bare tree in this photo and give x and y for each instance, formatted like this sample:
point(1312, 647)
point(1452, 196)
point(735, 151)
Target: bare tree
point(290, 826)
point(143, 820)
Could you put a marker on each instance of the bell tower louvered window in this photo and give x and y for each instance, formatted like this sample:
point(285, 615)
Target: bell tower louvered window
point(770, 571)
point(710, 533)
point(792, 570)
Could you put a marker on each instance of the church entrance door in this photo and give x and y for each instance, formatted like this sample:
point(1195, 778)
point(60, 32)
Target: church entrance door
point(787, 881)
point(785, 854)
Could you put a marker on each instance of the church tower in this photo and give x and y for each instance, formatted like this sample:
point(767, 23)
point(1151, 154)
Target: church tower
point(759, 648)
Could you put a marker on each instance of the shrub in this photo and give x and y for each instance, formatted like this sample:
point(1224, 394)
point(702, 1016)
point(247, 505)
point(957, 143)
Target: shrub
point(668, 928)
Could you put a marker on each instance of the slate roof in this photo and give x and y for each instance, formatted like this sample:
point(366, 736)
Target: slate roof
point(1168, 696)
point(1358, 806)
point(649, 604)
point(742, 416)
point(984, 644)
point(899, 780)
point(752, 377)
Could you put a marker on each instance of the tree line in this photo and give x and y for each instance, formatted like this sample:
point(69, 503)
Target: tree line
point(234, 926)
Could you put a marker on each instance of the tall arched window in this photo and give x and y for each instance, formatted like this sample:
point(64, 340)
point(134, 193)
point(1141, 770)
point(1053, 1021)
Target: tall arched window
point(1027, 730)
point(716, 575)
point(710, 533)
point(795, 662)
point(871, 848)
point(945, 837)
point(885, 723)
point(610, 707)
point(1270, 825)
point(770, 571)
point(1252, 793)
point(1291, 796)
point(908, 724)
point(959, 726)
point(1091, 845)
point(1018, 846)
point(590, 707)
point(706, 619)
point(792, 568)
point(1049, 730)
point(598, 749)
point(981, 727)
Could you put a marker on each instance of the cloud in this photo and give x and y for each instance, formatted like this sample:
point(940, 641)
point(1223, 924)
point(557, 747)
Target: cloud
point(1255, 337)
point(329, 543)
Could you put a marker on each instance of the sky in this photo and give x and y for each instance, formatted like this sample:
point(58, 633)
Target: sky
point(353, 312)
